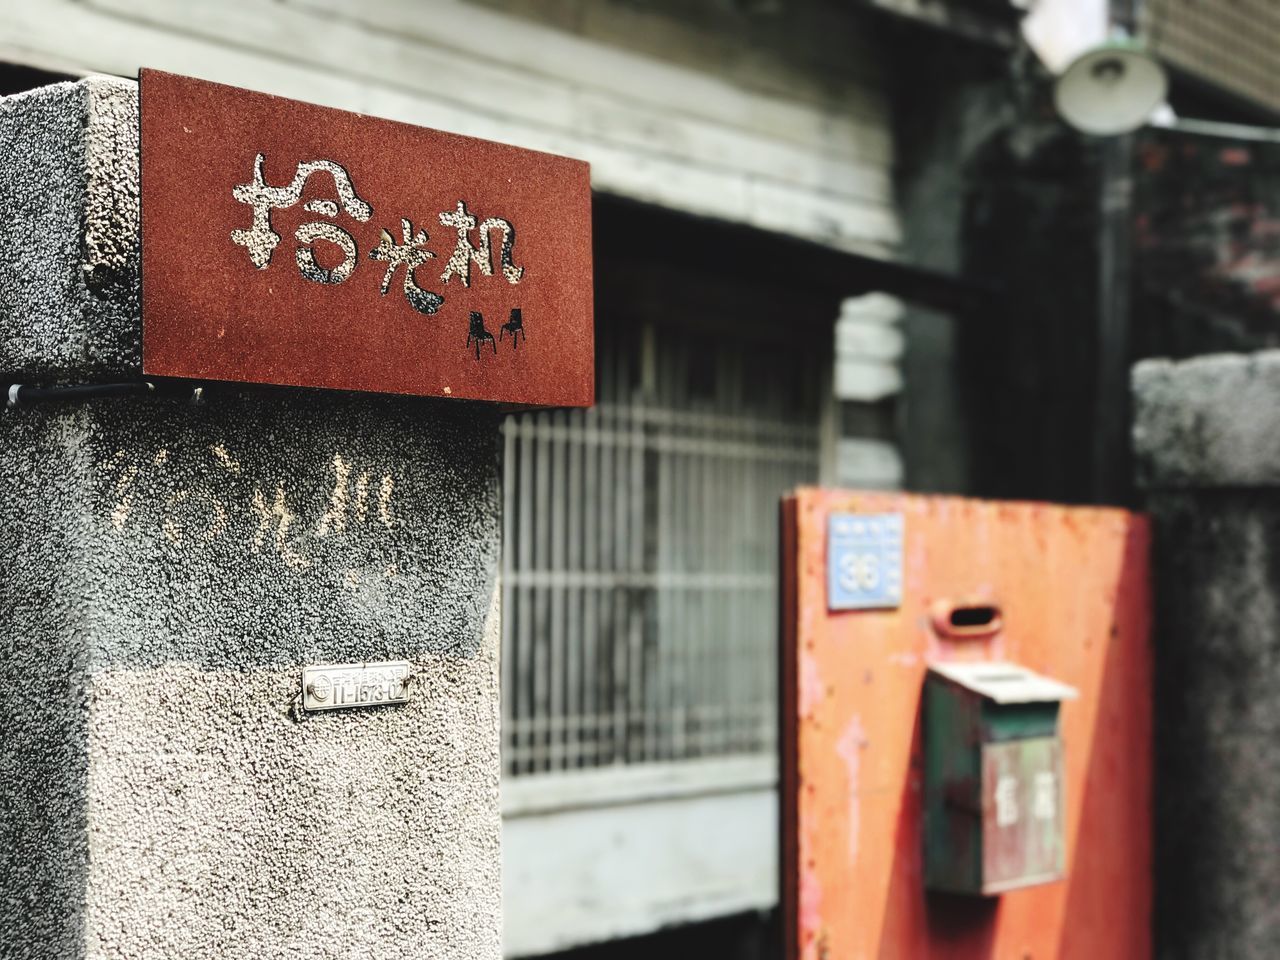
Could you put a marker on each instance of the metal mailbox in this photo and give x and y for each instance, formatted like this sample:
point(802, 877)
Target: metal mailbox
point(993, 777)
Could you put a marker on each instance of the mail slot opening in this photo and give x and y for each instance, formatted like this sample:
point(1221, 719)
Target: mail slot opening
point(966, 621)
point(981, 616)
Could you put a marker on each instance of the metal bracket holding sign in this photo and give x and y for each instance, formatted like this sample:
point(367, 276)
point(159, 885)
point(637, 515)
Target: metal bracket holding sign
point(864, 561)
point(288, 243)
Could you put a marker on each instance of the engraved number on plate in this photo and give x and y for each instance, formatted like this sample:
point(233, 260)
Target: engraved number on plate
point(334, 686)
point(864, 561)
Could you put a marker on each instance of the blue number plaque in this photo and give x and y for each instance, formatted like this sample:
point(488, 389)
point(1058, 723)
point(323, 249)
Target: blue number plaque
point(864, 561)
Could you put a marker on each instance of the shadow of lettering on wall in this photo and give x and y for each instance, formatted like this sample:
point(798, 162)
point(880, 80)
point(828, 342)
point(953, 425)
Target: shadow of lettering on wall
point(269, 519)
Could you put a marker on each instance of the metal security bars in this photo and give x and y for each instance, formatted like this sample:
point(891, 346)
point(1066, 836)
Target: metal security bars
point(640, 551)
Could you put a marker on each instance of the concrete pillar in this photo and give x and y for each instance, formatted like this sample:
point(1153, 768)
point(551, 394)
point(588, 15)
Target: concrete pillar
point(1207, 444)
point(166, 572)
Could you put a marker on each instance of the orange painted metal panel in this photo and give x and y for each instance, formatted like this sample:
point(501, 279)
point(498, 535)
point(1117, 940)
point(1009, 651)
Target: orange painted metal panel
point(1073, 590)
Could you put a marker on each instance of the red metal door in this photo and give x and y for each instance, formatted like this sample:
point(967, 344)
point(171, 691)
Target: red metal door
point(1071, 587)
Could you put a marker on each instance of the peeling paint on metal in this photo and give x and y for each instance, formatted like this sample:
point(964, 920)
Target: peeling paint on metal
point(810, 684)
point(849, 749)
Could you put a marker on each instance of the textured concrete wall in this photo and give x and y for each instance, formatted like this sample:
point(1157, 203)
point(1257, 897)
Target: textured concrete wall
point(69, 233)
point(168, 571)
point(1207, 454)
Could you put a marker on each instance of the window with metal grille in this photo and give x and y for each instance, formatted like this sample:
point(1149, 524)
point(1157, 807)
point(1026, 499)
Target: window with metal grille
point(639, 587)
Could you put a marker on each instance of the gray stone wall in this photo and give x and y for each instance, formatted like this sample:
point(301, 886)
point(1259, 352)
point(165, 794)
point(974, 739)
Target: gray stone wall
point(168, 570)
point(69, 241)
point(1207, 446)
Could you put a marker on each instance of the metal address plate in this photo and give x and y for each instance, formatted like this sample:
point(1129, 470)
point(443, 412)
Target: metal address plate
point(864, 561)
point(334, 686)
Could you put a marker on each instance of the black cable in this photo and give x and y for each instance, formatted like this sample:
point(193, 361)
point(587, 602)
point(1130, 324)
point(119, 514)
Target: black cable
point(23, 393)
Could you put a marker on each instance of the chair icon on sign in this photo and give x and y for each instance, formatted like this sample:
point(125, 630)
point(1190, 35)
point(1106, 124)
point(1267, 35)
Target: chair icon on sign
point(515, 327)
point(479, 333)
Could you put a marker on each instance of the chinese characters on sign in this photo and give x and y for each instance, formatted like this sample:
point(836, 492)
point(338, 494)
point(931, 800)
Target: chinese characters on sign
point(411, 253)
point(287, 243)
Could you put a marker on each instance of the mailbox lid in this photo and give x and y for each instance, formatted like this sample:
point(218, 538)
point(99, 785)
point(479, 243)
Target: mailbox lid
point(1003, 682)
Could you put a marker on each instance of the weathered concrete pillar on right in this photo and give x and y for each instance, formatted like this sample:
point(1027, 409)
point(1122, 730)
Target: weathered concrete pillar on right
point(1207, 445)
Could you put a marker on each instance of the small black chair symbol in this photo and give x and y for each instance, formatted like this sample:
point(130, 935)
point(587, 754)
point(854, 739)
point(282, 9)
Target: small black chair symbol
point(479, 333)
point(515, 327)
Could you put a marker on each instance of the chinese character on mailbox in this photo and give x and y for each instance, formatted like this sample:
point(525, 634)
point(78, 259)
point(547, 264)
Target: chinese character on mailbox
point(993, 777)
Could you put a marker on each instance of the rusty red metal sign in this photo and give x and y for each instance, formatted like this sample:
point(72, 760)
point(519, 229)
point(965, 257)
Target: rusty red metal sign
point(288, 243)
